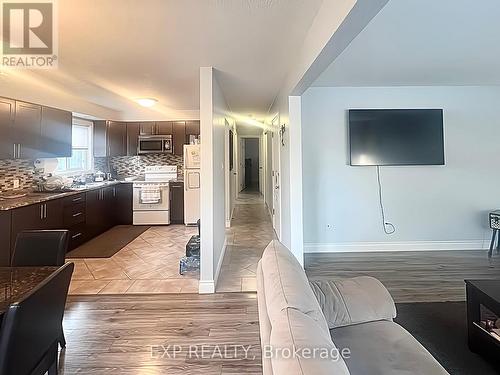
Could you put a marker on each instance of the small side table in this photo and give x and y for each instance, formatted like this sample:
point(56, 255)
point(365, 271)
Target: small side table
point(495, 227)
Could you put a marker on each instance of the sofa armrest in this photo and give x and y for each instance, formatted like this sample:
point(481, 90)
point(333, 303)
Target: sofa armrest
point(353, 301)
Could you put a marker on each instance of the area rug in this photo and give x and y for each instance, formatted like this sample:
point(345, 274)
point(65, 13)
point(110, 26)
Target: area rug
point(109, 243)
point(441, 328)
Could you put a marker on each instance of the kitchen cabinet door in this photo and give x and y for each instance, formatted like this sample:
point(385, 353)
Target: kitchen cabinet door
point(46, 215)
point(123, 204)
point(27, 129)
point(94, 213)
point(56, 131)
point(5, 220)
point(100, 139)
point(54, 216)
point(178, 136)
point(7, 111)
point(133, 131)
point(164, 127)
point(176, 202)
point(117, 136)
point(148, 128)
point(109, 207)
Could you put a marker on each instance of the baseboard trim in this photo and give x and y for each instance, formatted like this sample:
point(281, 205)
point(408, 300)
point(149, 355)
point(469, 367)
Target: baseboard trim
point(355, 247)
point(206, 287)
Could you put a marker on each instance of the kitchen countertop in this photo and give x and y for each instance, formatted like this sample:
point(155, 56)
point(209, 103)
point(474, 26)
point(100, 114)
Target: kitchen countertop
point(34, 197)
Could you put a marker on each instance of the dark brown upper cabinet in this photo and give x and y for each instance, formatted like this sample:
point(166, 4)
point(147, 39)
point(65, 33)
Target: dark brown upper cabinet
point(110, 138)
point(148, 128)
point(27, 129)
point(56, 133)
point(8, 149)
point(178, 136)
point(117, 138)
point(133, 132)
point(30, 131)
point(192, 128)
point(100, 139)
point(164, 127)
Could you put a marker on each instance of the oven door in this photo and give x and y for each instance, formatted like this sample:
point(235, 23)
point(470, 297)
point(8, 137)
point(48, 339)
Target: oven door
point(162, 205)
point(150, 145)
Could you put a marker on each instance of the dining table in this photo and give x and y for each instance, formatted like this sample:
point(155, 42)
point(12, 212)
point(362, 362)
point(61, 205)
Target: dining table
point(17, 282)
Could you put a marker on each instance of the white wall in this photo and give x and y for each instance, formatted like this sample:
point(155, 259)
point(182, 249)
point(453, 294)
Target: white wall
point(432, 207)
point(269, 170)
point(213, 113)
point(336, 24)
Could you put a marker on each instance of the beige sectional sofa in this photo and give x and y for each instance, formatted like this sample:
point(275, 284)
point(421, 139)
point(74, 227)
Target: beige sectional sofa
point(331, 326)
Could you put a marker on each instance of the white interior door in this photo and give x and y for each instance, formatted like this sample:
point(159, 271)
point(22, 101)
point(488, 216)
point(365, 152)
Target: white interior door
point(262, 165)
point(242, 164)
point(276, 180)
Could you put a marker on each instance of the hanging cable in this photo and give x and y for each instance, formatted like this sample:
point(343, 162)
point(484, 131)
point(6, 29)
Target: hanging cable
point(389, 228)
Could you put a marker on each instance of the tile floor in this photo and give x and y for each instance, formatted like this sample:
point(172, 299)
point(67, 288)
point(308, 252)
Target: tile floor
point(149, 264)
point(251, 231)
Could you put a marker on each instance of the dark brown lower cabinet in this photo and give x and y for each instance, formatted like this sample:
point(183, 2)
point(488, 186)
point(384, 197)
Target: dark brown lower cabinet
point(85, 215)
point(176, 202)
point(5, 238)
point(122, 207)
point(46, 215)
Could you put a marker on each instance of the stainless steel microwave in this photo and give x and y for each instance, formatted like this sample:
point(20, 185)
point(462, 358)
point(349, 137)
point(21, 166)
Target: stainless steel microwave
point(155, 144)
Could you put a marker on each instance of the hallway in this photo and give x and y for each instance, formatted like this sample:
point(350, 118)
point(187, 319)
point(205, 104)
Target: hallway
point(251, 231)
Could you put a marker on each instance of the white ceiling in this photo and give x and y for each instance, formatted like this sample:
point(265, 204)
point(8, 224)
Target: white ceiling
point(113, 51)
point(423, 42)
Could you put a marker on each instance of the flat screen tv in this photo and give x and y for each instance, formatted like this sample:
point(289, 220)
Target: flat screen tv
point(396, 137)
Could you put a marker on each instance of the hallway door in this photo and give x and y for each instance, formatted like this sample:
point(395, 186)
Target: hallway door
point(276, 179)
point(242, 164)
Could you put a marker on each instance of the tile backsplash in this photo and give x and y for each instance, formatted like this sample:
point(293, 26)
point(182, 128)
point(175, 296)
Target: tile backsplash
point(22, 170)
point(11, 170)
point(134, 165)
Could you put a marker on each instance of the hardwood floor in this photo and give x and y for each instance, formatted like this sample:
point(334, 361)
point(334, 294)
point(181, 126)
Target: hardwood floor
point(141, 334)
point(426, 276)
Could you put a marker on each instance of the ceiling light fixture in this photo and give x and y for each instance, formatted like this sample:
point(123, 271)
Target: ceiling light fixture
point(147, 102)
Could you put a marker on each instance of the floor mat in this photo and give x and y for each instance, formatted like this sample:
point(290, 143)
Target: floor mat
point(109, 243)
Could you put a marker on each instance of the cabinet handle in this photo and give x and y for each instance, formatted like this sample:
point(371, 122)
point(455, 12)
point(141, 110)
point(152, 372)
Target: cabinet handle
point(44, 211)
point(76, 235)
point(41, 211)
point(19, 151)
point(77, 214)
point(15, 151)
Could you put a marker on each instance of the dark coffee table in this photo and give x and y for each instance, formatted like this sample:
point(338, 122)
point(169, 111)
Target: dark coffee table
point(487, 294)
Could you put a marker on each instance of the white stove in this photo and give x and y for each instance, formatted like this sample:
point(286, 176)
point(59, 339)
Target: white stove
point(151, 202)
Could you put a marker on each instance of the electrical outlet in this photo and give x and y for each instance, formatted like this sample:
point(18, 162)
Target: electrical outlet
point(16, 183)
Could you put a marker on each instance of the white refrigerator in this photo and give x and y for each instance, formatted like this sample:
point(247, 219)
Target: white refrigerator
point(191, 184)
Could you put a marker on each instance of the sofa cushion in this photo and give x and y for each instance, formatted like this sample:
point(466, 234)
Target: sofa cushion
point(353, 301)
point(384, 348)
point(299, 346)
point(286, 285)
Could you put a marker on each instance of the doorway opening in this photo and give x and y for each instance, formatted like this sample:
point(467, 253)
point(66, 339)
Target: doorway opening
point(251, 169)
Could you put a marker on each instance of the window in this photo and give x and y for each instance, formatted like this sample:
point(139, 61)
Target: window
point(81, 155)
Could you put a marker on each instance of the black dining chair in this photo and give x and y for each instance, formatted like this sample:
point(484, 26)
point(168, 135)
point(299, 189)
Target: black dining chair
point(40, 248)
point(31, 327)
point(37, 248)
